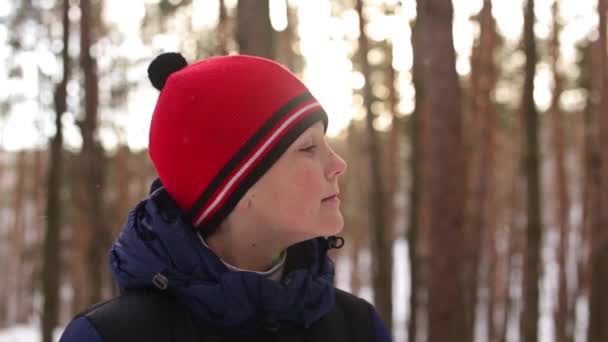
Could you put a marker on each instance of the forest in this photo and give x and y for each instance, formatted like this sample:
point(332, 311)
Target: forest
point(476, 196)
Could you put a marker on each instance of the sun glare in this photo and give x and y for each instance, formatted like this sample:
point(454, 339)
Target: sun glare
point(325, 43)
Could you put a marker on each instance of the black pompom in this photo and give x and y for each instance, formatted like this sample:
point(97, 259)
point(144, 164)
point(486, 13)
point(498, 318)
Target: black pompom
point(164, 65)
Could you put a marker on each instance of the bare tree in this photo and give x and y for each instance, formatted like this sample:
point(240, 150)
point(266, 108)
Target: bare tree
point(531, 158)
point(481, 175)
point(92, 159)
point(445, 152)
point(515, 245)
point(17, 237)
point(223, 28)
point(4, 255)
point(355, 205)
point(51, 267)
point(381, 248)
point(590, 171)
point(394, 163)
point(254, 31)
point(563, 326)
point(287, 43)
point(415, 129)
point(598, 299)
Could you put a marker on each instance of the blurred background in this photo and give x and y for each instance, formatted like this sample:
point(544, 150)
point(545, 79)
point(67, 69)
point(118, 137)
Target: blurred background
point(476, 132)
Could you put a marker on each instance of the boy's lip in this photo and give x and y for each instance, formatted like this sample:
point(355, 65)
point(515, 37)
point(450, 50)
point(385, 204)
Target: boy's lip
point(331, 197)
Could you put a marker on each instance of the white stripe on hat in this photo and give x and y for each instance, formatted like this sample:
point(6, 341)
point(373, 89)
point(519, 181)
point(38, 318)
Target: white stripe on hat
point(253, 158)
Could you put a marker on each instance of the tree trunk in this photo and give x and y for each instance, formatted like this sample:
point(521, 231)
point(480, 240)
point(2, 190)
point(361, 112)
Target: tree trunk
point(37, 233)
point(17, 239)
point(51, 262)
point(223, 29)
point(80, 237)
point(512, 251)
point(590, 162)
point(445, 152)
point(354, 250)
point(483, 127)
point(381, 248)
point(355, 208)
point(254, 31)
point(122, 178)
point(393, 188)
point(563, 327)
point(529, 319)
point(287, 51)
point(92, 157)
point(5, 264)
point(598, 299)
point(496, 277)
point(415, 165)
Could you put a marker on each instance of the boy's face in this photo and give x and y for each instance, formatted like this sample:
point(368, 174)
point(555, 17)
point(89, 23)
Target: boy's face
point(297, 198)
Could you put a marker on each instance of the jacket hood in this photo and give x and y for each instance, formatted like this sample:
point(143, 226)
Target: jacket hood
point(157, 248)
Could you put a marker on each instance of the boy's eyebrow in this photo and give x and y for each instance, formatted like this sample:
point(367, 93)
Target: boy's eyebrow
point(304, 137)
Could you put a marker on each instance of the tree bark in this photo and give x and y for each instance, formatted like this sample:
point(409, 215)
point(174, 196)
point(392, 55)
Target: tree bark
point(591, 176)
point(92, 157)
point(254, 31)
point(598, 299)
point(5, 264)
point(223, 29)
point(415, 165)
point(513, 250)
point(529, 319)
point(17, 239)
point(355, 208)
point(51, 269)
point(445, 153)
point(482, 160)
point(381, 248)
point(563, 327)
point(287, 42)
point(494, 279)
point(393, 188)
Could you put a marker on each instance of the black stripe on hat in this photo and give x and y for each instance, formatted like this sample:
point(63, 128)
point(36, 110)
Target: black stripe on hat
point(213, 222)
point(237, 159)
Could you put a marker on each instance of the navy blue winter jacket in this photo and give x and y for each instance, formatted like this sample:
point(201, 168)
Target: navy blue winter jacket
point(157, 249)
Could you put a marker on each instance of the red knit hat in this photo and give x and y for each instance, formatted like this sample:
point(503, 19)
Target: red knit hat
point(219, 125)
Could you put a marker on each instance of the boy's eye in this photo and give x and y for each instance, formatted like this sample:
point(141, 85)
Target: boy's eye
point(309, 148)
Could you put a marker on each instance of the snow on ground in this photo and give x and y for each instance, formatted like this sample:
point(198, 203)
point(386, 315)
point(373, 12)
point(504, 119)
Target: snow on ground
point(25, 333)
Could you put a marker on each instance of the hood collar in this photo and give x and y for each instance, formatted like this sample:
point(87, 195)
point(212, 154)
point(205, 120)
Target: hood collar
point(157, 248)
